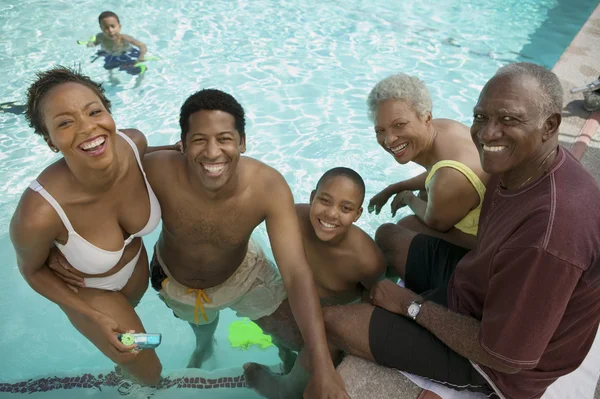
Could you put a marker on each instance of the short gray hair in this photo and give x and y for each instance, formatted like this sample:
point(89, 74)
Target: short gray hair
point(551, 99)
point(400, 87)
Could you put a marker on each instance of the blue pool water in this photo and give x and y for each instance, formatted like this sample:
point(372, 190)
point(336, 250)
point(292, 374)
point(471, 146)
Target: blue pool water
point(302, 71)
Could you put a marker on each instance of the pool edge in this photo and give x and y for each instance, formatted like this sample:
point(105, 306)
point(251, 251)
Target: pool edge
point(579, 65)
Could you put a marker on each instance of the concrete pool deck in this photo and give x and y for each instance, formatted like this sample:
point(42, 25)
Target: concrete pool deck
point(578, 66)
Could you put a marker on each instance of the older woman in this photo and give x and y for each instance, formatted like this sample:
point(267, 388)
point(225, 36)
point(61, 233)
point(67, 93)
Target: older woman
point(94, 204)
point(400, 107)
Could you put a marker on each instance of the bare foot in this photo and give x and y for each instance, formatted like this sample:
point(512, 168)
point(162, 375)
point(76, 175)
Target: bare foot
point(264, 381)
point(199, 356)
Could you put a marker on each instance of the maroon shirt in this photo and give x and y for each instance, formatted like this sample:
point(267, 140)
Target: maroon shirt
point(534, 278)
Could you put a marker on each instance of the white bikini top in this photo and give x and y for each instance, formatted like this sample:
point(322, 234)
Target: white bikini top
point(85, 256)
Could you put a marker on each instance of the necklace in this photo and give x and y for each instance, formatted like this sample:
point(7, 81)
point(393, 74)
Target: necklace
point(538, 168)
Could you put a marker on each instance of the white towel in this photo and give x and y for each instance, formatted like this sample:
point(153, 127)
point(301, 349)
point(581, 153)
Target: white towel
point(580, 384)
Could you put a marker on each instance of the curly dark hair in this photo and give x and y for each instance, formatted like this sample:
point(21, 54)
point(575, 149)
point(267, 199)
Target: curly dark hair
point(46, 81)
point(211, 100)
point(107, 14)
point(348, 173)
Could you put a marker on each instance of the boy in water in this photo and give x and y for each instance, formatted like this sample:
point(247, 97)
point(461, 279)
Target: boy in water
point(345, 262)
point(117, 48)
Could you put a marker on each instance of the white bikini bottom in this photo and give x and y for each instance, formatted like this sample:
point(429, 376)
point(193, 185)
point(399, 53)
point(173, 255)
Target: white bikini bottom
point(114, 282)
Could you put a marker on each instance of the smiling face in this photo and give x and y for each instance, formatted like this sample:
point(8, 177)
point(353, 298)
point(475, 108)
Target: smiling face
point(213, 147)
point(111, 27)
point(334, 207)
point(79, 125)
point(508, 127)
point(400, 130)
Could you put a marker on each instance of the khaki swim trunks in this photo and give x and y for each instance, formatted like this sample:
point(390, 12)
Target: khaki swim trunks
point(255, 290)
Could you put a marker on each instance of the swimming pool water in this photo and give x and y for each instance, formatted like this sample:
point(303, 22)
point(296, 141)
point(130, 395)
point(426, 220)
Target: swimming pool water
point(302, 70)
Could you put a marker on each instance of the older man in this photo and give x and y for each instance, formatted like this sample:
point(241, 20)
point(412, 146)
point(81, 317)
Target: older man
point(521, 309)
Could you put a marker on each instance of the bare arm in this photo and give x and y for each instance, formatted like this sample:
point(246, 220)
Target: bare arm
point(137, 44)
point(380, 199)
point(283, 229)
point(460, 333)
point(142, 143)
point(450, 198)
point(32, 230)
point(412, 184)
point(95, 42)
point(172, 147)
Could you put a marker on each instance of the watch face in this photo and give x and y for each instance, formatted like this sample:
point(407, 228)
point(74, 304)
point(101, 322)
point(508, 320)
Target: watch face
point(413, 310)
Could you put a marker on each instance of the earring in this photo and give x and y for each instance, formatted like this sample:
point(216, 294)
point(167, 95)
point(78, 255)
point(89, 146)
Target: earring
point(54, 149)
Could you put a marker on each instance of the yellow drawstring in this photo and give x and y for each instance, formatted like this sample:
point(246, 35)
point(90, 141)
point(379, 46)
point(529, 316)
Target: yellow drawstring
point(200, 296)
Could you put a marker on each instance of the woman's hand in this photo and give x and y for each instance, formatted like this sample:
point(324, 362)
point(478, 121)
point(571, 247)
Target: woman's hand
point(110, 329)
point(400, 201)
point(379, 200)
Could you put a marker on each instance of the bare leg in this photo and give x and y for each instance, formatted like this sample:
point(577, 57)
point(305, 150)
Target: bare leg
point(394, 241)
point(349, 328)
point(282, 326)
point(138, 80)
point(286, 355)
point(205, 343)
point(145, 367)
point(112, 79)
point(453, 236)
point(276, 386)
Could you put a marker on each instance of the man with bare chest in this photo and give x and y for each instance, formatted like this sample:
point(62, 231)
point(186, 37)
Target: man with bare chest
point(212, 199)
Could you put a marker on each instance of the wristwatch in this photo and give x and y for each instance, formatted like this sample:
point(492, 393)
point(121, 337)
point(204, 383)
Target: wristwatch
point(415, 308)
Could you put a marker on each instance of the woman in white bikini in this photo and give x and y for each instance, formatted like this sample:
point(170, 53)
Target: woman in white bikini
point(94, 205)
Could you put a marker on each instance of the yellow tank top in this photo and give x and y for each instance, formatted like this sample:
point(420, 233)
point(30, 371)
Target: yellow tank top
point(469, 223)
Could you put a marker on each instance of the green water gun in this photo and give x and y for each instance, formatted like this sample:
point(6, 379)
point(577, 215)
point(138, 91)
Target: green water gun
point(92, 39)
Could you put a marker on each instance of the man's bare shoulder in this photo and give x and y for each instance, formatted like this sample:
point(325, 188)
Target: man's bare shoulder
point(253, 165)
point(163, 166)
point(164, 159)
point(260, 175)
point(266, 190)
